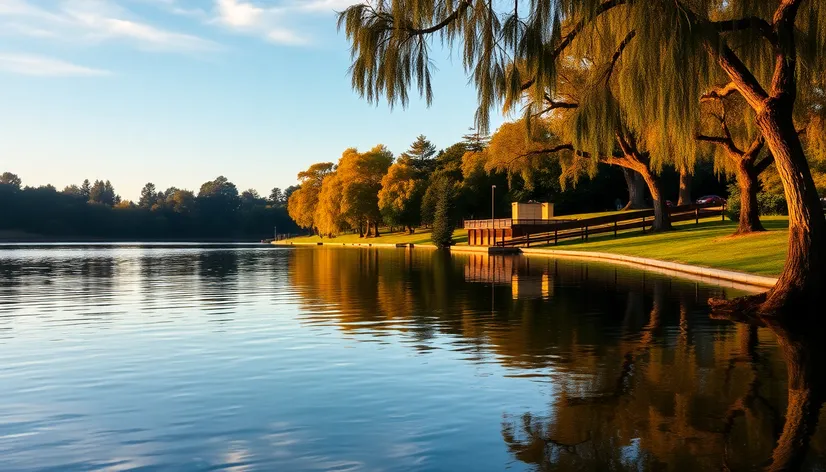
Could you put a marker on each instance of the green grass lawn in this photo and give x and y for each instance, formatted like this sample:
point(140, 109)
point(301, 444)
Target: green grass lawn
point(709, 244)
point(581, 216)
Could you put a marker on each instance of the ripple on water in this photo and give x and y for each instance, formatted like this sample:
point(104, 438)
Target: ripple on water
point(180, 357)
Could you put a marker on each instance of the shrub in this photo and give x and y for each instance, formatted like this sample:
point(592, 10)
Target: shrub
point(767, 203)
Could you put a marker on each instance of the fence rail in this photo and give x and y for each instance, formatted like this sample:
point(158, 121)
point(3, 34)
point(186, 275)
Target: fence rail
point(611, 224)
point(510, 222)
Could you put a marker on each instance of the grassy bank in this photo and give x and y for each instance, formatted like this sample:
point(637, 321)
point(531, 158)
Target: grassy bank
point(708, 244)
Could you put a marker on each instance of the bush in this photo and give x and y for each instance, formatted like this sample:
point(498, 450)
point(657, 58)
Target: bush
point(767, 203)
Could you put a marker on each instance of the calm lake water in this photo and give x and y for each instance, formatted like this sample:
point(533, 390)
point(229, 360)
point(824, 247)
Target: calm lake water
point(253, 358)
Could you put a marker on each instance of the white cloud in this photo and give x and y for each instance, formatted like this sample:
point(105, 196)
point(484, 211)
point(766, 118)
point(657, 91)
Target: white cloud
point(252, 19)
point(95, 20)
point(325, 5)
point(45, 66)
point(239, 14)
point(281, 36)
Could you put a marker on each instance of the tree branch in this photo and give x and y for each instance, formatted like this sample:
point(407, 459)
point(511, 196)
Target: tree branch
point(464, 5)
point(754, 149)
point(618, 53)
point(740, 75)
point(751, 22)
point(764, 163)
point(726, 142)
point(580, 25)
point(720, 92)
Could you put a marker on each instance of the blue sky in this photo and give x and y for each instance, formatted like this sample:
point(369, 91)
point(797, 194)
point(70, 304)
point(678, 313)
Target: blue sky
point(179, 91)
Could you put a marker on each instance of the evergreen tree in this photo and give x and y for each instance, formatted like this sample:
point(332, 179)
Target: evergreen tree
point(276, 197)
point(475, 140)
point(148, 196)
point(86, 189)
point(421, 149)
point(443, 224)
point(421, 155)
point(103, 193)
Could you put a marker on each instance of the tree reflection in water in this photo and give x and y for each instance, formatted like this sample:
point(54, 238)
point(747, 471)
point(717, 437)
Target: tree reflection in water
point(639, 377)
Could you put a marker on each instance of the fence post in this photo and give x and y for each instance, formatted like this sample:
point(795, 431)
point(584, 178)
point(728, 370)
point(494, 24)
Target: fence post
point(555, 236)
point(696, 216)
point(723, 212)
point(615, 228)
point(586, 232)
point(643, 223)
point(528, 240)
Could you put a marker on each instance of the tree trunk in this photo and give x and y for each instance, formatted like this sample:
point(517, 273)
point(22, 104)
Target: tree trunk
point(800, 288)
point(361, 231)
point(662, 220)
point(636, 189)
point(376, 229)
point(685, 187)
point(749, 212)
point(411, 230)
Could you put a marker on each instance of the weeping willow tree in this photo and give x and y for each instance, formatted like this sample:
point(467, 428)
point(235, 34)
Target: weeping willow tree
point(728, 125)
point(676, 51)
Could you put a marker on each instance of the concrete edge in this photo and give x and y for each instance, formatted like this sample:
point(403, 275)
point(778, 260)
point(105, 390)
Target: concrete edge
point(704, 273)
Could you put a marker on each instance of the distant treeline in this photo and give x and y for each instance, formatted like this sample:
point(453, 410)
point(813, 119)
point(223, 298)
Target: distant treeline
point(96, 211)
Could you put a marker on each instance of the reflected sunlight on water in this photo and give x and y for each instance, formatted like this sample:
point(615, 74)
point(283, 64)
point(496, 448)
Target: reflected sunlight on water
point(185, 357)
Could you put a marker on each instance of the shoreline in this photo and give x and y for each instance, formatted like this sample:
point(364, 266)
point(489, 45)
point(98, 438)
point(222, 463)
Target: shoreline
point(733, 279)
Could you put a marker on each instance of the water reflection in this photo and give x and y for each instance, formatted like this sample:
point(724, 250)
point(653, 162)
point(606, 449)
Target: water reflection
point(362, 359)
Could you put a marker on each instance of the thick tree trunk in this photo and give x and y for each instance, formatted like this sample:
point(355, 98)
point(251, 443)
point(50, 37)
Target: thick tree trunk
point(749, 211)
point(800, 288)
point(376, 229)
point(662, 220)
point(685, 187)
point(411, 230)
point(636, 189)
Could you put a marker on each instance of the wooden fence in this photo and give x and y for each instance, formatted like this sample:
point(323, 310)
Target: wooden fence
point(612, 224)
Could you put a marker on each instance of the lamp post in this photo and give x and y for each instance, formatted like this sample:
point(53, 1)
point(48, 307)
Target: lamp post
point(492, 221)
point(492, 191)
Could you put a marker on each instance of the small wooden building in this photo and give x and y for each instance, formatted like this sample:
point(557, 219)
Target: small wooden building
point(528, 218)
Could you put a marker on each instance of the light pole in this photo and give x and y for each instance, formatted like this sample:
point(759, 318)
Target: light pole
point(492, 191)
point(492, 221)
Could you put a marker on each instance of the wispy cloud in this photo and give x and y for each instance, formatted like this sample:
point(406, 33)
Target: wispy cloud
point(325, 5)
point(252, 19)
point(95, 21)
point(45, 66)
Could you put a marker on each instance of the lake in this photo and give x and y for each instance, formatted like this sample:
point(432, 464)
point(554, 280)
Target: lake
point(241, 357)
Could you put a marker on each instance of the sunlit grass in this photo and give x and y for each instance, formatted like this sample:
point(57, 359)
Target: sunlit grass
point(708, 244)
